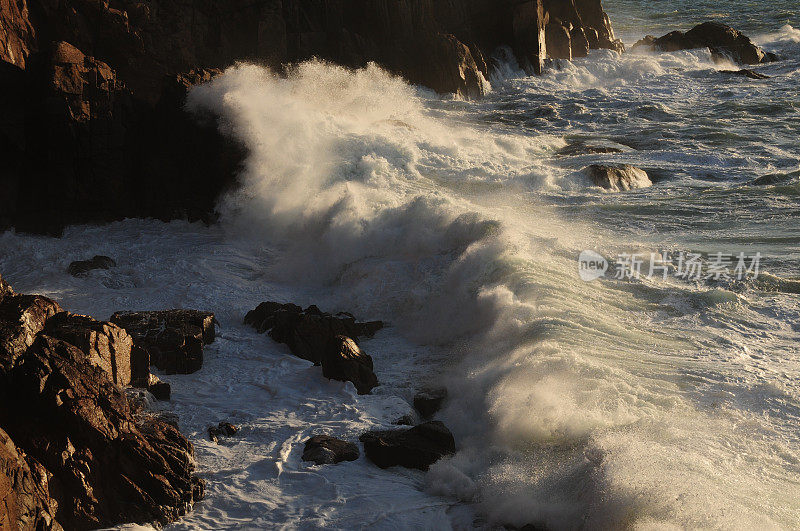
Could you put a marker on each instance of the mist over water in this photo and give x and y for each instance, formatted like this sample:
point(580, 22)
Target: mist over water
point(642, 404)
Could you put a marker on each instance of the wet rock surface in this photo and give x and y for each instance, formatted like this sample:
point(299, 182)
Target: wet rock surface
point(173, 339)
point(81, 268)
point(418, 447)
point(617, 178)
point(326, 450)
point(723, 41)
point(429, 401)
point(223, 429)
point(74, 453)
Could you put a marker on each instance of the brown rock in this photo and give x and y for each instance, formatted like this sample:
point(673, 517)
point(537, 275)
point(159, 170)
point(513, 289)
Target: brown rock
point(106, 345)
point(579, 42)
point(722, 40)
point(21, 318)
point(174, 339)
point(107, 467)
point(25, 501)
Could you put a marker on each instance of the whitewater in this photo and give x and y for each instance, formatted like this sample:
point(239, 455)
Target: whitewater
point(645, 403)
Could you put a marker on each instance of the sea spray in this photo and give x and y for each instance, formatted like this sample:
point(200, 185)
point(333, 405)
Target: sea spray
point(571, 405)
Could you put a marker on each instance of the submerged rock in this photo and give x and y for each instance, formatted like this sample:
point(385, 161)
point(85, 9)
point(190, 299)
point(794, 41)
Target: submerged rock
point(752, 74)
point(723, 41)
point(430, 401)
point(617, 178)
point(775, 178)
point(326, 450)
point(223, 429)
point(418, 447)
point(174, 339)
point(83, 267)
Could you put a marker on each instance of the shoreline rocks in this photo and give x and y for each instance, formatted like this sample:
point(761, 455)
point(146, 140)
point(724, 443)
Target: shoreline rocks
point(429, 401)
point(74, 451)
point(322, 338)
point(723, 41)
point(82, 268)
point(173, 339)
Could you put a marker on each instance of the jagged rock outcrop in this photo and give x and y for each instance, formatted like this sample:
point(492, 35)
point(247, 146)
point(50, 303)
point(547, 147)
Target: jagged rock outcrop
point(92, 127)
point(723, 41)
point(173, 339)
point(74, 453)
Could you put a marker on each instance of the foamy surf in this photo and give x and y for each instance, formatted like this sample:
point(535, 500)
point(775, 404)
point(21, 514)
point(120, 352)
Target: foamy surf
point(639, 403)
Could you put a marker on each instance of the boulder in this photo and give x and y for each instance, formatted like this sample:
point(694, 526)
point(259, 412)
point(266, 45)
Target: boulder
point(106, 345)
point(25, 501)
point(418, 447)
point(579, 42)
point(81, 268)
point(617, 178)
point(325, 450)
point(723, 41)
point(105, 465)
point(430, 401)
point(174, 339)
point(308, 333)
point(346, 362)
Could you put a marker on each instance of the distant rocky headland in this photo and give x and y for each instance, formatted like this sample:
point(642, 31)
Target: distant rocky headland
point(92, 92)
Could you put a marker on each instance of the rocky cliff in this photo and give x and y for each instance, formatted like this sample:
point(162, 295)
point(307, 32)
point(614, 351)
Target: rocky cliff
point(91, 91)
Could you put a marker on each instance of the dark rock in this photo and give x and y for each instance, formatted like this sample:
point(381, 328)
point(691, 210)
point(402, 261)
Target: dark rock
point(174, 339)
point(559, 44)
point(417, 447)
point(617, 178)
point(325, 450)
point(405, 420)
point(5, 288)
point(648, 43)
point(746, 73)
point(160, 390)
point(106, 345)
point(346, 362)
point(582, 148)
point(430, 401)
point(223, 429)
point(722, 40)
point(310, 333)
point(105, 466)
point(580, 44)
point(775, 179)
point(82, 267)
point(25, 501)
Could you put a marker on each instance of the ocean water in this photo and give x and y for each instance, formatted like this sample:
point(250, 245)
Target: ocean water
point(633, 403)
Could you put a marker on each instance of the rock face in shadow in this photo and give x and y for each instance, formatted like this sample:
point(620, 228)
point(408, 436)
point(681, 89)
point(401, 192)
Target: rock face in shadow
point(723, 41)
point(173, 339)
point(346, 362)
point(418, 447)
point(92, 126)
point(73, 451)
point(81, 268)
point(617, 178)
point(429, 401)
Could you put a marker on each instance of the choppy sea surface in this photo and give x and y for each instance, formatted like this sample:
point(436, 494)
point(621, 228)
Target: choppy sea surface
point(641, 402)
